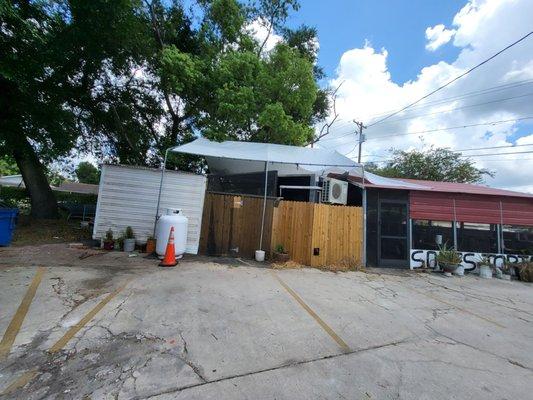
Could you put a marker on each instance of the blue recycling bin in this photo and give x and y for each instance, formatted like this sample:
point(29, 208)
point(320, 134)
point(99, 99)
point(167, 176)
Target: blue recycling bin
point(8, 219)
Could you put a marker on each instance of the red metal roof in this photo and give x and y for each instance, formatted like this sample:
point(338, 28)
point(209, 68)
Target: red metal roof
point(451, 187)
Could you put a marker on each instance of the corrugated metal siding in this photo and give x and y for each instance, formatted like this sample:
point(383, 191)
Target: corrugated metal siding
point(128, 196)
point(471, 208)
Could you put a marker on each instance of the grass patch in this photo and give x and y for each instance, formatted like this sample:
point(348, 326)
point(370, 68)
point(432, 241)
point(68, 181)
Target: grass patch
point(30, 231)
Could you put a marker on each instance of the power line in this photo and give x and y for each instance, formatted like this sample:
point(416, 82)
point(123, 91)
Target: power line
point(462, 107)
point(347, 133)
point(452, 127)
point(453, 80)
point(490, 160)
point(498, 154)
point(468, 155)
point(498, 88)
point(494, 147)
point(437, 102)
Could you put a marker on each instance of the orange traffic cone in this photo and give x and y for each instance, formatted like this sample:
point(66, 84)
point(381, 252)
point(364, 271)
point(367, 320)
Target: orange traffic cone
point(170, 253)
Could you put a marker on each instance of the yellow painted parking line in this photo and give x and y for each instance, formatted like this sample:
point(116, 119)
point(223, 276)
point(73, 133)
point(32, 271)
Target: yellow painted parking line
point(89, 316)
point(342, 344)
point(29, 375)
point(22, 381)
point(14, 326)
point(464, 310)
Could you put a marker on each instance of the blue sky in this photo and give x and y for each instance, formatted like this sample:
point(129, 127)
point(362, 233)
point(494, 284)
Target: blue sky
point(387, 53)
point(397, 25)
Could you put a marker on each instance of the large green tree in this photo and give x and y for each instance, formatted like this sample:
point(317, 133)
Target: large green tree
point(219, 80)
point(54, 54)
point(87, 173)
point(126, 79)
point(433, 164)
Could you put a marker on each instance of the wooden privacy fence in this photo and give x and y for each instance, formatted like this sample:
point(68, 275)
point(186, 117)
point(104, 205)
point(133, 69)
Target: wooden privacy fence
point(318, 234)
point(231, 225)
point(313, 234)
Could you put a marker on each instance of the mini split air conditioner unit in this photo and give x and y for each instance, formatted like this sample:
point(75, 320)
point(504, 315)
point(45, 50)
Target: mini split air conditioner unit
point(334, 191)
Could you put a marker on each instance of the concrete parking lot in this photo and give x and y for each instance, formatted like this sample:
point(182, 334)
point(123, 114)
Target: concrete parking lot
point(112, 326)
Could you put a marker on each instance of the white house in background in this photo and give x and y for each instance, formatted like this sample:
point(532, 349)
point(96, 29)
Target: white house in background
point(12, 180)
point(71, 187)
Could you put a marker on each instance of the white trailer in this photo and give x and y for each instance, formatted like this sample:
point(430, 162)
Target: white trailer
point(127, 196)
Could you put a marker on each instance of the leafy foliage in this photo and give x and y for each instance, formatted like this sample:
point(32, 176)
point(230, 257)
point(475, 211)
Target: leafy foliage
point(126, 79)
point(230, 87)
point(448, 255)
point(128, 233)
point(434, 164)
point(8, 166)
point(87, 173)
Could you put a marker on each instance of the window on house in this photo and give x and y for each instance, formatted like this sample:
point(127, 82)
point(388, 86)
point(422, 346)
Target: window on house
point(478, 238)
point(517, 239)
point(426, 234)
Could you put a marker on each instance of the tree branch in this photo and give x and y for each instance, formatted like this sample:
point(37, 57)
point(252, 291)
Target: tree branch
point(325, 130)
point(159, 38)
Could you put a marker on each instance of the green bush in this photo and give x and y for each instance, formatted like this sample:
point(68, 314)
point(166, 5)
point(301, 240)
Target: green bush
point(18, 198)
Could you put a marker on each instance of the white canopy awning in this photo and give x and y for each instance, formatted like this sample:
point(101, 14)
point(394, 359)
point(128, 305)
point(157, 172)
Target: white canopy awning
point(266, 152)
point(221, 155)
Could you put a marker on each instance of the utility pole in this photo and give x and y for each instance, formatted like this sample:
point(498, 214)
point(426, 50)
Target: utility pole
point(361, 138)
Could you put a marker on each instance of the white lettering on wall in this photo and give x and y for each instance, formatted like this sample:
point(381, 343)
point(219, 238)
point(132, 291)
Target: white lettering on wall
point(428, 257)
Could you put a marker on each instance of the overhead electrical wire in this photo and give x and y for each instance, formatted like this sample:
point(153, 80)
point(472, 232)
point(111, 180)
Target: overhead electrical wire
point(453, 127)
point(480, 92)
point(489, 160)
point(468, 155)
point(462, 107)
point(494, 147)
point(451, 81)
point(498, 154)
point(510, 85)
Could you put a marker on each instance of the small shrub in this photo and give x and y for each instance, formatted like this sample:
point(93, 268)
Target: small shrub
point(448, 255)
point(128, 234)
point(280, 249)
point(109, 235)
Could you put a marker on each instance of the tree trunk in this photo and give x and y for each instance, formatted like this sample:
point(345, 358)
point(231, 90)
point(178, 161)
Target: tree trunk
point(43, 201)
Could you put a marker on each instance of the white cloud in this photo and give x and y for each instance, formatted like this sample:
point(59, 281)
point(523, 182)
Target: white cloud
point(481, 29)
point(259, 28)
point(437, 36)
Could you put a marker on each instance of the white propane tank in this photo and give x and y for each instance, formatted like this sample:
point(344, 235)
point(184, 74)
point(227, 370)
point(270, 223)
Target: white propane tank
point(173, 218)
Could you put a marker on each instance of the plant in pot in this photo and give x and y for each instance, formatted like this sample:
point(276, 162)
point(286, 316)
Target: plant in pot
point(485, 267)
point(150, 245)
point(449, 260)
point(280, 255)
point(129, 240)
point(109, 242)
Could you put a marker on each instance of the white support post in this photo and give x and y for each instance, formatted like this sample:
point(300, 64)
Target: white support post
point(264, 207)
point(364, 215)
point(161, 187)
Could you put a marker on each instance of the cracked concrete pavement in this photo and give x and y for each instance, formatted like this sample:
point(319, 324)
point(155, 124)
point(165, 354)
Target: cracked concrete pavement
point(218, 329)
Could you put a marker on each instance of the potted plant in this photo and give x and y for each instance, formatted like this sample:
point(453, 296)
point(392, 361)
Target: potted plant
point(109, 242)
point(449, 260)
point(280, 255)
point(129, 240)
point(485, 268)
point(150, 245)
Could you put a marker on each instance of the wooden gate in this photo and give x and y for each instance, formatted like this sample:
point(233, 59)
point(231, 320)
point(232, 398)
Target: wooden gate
point(318, 234)
point(231, 225)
